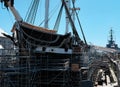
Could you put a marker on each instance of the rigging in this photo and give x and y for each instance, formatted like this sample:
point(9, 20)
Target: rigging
point(58, 19)
point(72, 24)
point(31, 13)
point(73, 2)
point(51, 13)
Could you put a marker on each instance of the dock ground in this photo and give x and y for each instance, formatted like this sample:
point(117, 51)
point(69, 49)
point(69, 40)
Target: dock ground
point(109, 83)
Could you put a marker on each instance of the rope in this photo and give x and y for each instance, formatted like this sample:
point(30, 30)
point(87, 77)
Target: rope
point(32, 11)
point(79, 24)
point(52, 12)
point(71, 22)
point(39, 39)
point(47, 43)
point(58, 19)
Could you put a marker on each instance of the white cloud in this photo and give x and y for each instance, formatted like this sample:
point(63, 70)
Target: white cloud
point(2, 31)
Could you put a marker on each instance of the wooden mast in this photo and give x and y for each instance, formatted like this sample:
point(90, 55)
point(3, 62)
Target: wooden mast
point(67, 18)
point(14, 11)
point(46, 13)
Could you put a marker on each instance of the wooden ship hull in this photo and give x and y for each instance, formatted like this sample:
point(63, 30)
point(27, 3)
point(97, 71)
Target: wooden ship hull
point(47, 56)
point(43, 58)
point(34, 36)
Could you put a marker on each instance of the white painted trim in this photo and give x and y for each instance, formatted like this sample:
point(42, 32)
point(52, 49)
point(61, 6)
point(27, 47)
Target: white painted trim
point(53, 50)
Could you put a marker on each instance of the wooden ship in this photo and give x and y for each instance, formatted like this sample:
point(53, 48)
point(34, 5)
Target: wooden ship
point(44, 58)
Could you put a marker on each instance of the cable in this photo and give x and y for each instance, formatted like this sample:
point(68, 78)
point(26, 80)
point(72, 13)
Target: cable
point(51, 14)
point(32, 11)
point(79, 24)
point(58, 19)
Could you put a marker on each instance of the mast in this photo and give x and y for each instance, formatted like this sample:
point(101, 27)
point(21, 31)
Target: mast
point(73, 11)
point(14, 11)
point(78, 39)
point(67, 18)
point(111, 42)
point(46, 13)
point(111, 35)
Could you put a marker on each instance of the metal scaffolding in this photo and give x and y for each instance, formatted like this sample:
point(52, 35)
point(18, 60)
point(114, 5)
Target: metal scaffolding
point(38, 70)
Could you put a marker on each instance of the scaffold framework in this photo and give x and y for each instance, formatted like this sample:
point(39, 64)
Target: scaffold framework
point(39, 70)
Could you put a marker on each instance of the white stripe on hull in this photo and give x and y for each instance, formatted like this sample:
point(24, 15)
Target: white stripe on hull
point(53, 50)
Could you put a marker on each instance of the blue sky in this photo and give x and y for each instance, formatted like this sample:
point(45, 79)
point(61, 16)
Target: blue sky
point(96, 16)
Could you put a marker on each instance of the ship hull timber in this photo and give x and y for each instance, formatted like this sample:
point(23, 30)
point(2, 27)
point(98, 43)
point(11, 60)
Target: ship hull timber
point(53, 63)
point(44, 58)
point(37, 36)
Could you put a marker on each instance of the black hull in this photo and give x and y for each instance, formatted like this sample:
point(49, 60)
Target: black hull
point(37, 37)
point(45, 68)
